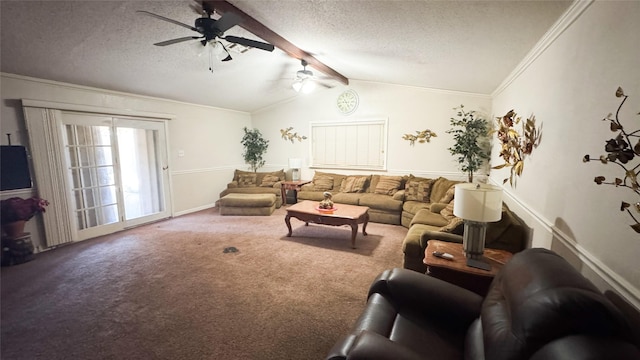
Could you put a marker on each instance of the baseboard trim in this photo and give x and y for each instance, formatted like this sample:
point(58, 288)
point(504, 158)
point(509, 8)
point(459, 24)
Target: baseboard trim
point(196, 209)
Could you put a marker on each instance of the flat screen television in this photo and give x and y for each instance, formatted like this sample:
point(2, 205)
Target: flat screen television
point(14, 168)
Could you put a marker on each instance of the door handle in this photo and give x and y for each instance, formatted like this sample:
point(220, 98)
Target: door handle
point(165, 167)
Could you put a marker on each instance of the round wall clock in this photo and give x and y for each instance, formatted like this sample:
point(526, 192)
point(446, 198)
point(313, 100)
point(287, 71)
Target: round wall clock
point(347, 102)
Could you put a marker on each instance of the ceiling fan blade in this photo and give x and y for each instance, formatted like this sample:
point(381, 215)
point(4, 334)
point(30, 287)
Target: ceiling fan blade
point(249, 42)
point(167, 19)
point(178, 40)
point(227, 21)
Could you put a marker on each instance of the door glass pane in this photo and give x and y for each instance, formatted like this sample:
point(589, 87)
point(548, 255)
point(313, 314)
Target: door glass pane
point(140, 170)
point(92, 175)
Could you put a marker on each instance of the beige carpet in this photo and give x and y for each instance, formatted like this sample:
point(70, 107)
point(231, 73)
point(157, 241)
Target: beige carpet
point(170, 291)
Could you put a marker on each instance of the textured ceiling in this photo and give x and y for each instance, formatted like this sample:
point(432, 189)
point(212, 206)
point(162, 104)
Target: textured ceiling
point(454, 45)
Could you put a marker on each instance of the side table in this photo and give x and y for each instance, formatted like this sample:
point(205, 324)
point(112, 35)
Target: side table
point(457, 272)
point(293, 186)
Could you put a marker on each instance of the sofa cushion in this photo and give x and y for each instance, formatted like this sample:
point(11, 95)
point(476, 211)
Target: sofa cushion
point(448, 195)
point(259, 175)
point(269, 180)
point(323, 183)
point(380, 202)
point(247, 180)
point(439, 190)
point(418, 190)
point(388, 185)
point(413, 207)
point(347, 198)
point(354, 184)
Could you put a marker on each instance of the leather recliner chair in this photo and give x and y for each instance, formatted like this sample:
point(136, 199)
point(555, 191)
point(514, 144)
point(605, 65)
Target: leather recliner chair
point(538, 307)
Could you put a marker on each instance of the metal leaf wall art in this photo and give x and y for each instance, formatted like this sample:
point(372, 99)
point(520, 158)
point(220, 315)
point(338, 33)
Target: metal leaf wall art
point(516, 147)
point(288, 135)
point(420, 136)
point(619, 151)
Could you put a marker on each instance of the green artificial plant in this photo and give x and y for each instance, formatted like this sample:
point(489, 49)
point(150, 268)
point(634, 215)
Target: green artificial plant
point(469, 132)
point(254, 147)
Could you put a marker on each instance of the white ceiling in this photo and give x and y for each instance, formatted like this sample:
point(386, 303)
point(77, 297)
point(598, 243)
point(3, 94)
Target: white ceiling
point(466, 46)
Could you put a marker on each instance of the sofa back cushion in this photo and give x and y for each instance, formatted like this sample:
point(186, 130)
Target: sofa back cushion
point(440, 188)
point(269, 180)
point(323, 183)
point(538, 297)
point(259, 175)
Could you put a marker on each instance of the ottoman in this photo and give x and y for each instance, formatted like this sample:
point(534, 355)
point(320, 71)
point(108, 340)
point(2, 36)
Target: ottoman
point(248, 204)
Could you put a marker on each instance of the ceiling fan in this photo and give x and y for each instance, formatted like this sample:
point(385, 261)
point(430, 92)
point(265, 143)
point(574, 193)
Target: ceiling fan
point(211, 29)
point(305, 81)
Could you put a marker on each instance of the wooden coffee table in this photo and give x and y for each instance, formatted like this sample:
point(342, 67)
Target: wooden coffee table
point(457, 272)
point(344, 214)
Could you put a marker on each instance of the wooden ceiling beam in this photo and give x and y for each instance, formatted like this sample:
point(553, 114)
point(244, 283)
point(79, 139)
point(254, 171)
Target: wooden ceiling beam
point(254, 26)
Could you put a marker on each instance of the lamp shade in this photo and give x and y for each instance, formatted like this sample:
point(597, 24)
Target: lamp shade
point(295, 163)
point(478, 202)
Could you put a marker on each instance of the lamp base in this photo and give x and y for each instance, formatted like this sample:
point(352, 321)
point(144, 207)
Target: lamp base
point(473, 239)
point(295, 174)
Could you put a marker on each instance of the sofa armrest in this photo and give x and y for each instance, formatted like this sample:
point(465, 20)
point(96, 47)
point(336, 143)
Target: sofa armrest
point(439, 300)
point(438, 235)
point(277, 185)
point(583, 347)
point(437, 207)
point(232, 185)
point(369, 345)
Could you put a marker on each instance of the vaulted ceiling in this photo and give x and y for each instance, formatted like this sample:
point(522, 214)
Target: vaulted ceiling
point(469, 46)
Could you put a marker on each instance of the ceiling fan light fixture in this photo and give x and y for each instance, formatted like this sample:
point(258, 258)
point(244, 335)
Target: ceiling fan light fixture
point(308, 85)
point(297, 85)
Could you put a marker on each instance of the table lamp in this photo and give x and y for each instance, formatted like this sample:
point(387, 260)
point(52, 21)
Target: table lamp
point(477, 204)
point(295, 164)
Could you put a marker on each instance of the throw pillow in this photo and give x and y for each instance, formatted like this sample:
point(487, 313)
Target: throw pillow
point(418, 190)
point(447, 212)
point(246, 180)
point(388, 185)
point(448, 196)
point(323, 183)
point(353, 184)
point(347, 184)
point(269, 180)
point(454, 226)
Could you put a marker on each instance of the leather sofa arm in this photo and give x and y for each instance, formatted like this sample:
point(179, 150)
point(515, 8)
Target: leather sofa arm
point(369, 345)
point(584, 347)
point(436, 299)
point(232, 185)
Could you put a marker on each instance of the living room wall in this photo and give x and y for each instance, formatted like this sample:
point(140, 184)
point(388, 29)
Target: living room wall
point(408, 109)
point(208, 137)
point(570, 87)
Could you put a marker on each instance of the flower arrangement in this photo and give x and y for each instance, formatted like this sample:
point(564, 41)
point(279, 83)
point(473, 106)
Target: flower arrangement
point(17, 209)
point(622, 152)
point(516, 147)
point(421, 136)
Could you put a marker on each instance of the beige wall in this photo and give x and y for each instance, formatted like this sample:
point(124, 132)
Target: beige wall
point(407, 109)
point(570, 88)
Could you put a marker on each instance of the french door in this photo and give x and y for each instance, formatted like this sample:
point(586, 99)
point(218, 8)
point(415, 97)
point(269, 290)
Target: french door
point(116, 167)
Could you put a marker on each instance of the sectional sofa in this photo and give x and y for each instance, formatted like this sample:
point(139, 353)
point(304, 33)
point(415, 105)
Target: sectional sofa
point(423, 205)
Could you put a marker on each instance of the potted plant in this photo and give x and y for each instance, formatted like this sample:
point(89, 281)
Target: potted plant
point(470, 133)
point(16, 211)
point(254, 147)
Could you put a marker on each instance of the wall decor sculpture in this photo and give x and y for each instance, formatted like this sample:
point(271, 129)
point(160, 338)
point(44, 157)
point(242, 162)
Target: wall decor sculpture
point(515, 146)
point(421, 136)
point(619, 151)
point(288, 135)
